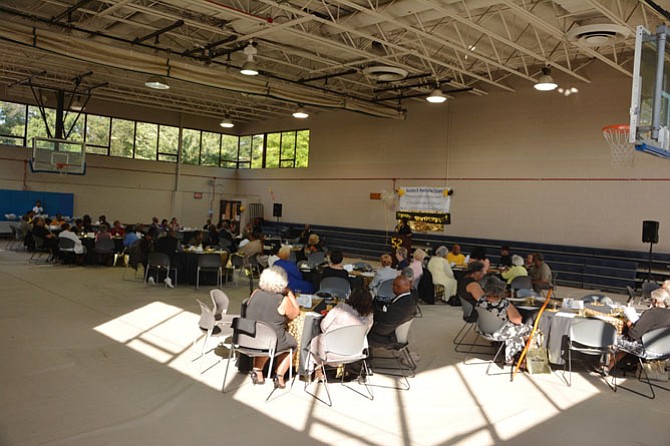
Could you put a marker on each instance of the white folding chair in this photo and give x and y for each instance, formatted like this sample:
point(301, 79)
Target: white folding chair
point(343, 346)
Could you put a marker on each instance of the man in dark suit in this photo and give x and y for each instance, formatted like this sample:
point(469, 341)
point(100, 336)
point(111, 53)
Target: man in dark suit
point(390, 315)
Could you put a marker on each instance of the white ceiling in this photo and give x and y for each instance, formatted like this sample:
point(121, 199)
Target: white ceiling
point(309, 52)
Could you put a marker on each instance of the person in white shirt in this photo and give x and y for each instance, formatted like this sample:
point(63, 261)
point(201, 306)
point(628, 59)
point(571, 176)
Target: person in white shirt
point(79, 249)
point(38, 209)
point(439, 268)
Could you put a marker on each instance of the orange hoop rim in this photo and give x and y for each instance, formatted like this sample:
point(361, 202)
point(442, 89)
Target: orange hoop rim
point(620, 128)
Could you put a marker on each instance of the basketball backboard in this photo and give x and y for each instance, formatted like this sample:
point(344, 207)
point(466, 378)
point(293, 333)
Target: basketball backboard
point(58, 156)
point(650, 99)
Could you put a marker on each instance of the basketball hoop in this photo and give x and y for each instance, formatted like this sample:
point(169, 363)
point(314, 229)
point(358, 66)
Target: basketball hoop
point(622, 151)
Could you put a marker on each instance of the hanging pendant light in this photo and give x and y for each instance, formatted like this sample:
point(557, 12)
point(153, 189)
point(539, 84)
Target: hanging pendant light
point(157, 83)
point(546, 82)
point(436, 97)
point(249, 68)
point(300, 113)
point(76, 104)
point(226, 123)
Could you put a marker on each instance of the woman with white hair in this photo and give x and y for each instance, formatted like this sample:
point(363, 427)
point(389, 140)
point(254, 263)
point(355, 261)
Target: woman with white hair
point(295, 280)
point(658, 316)
point(274, 304)
point(439, 268)
point(417, 265)
point(516, 270)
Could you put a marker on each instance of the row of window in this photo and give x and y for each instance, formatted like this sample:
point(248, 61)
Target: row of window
point(20, 123)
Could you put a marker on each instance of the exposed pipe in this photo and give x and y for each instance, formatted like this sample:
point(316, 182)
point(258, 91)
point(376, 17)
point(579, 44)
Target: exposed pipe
point(167, 50)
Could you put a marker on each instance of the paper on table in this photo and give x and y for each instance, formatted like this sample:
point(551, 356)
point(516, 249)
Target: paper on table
point(305, 300)
point(565, 314)
point(631, 314)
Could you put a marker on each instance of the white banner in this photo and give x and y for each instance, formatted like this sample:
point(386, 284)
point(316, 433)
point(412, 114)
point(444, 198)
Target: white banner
point(431, 199)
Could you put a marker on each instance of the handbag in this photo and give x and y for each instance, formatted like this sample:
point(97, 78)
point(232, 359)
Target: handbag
point(655, 370)
point(537, 357)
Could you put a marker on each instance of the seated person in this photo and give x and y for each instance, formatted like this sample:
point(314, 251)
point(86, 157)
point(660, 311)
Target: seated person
point(174, 224)
point(528, 263)
point(132, 234)
point(417, 265)
point(334, 269)
point(147, 246)
point(252, 248)
point(505, 257)
point(658, 316)
point(384, 273)
point(213, 235)
point(358, 310)
point(390, 315)
point(313, 245)
point(103, 233)
point(401, 257)
point(517, 270)
point(79, 227)
point(40, 230)
point(478, 254)
point(513, 332)
point(540, 274)
point(295, 280)
point(275, 305)
point(442, 274)
point(87, 223)
point(117, 229)
point(169, 245)
point(198, 238)
point(455, 256)
point(102, 220)
point(226, 237)
point(468, 287)
point(57, 221)
point(79, 248)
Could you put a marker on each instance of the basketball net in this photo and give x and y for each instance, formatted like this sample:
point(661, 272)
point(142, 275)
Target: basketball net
point(61, 168)
point(622, 151)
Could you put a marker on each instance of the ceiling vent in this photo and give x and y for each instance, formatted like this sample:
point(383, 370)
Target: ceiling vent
point(385, 73)
point(598, 34)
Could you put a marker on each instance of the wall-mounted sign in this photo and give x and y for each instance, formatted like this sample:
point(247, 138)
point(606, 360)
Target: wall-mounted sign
point(197, 195)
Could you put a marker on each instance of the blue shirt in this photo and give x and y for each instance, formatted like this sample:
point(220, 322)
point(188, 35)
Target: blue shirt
point(130, 238)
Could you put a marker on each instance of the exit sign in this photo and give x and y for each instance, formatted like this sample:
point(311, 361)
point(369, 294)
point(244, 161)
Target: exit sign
point(197, 195)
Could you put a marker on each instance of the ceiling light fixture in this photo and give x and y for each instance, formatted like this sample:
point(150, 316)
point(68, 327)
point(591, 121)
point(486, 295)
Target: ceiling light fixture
point(300, 113)
point(76, 104)
point(546, 82)
point(226, 123)
point(249, 67)
point(157, 83)
point(436, 97)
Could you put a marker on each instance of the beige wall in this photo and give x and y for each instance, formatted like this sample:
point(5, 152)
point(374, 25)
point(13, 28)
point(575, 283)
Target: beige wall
point(128, 190)
point(526, 166)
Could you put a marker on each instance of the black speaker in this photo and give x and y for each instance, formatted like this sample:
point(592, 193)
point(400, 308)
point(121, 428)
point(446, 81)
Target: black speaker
point(276, 210)
point(649, 231)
